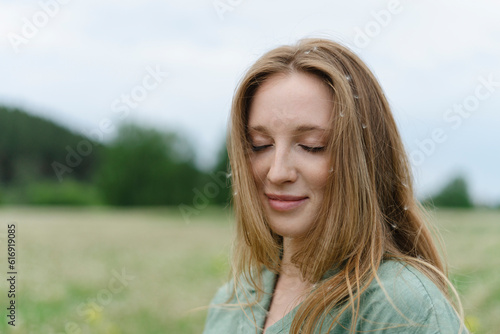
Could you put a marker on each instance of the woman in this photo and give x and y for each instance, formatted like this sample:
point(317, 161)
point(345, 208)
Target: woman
point(329, 236)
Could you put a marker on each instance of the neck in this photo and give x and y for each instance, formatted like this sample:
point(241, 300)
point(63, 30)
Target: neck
point(288, 269)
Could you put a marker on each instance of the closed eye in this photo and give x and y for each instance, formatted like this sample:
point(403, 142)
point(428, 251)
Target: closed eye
point(313, 149)
point(304, 147)
point(259, 148)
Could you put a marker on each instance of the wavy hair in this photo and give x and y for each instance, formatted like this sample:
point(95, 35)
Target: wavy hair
point(369, 214)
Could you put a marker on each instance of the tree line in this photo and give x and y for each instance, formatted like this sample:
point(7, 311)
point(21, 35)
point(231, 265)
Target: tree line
point(46, 164)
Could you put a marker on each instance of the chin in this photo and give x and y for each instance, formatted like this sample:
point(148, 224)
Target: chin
point(289, 228)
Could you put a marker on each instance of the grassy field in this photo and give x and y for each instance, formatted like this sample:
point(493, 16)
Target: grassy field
point(105, 271)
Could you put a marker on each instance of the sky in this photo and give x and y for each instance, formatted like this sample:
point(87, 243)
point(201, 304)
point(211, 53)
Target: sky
point(173, 65)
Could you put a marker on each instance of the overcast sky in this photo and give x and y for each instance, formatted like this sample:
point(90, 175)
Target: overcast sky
point(174, 65)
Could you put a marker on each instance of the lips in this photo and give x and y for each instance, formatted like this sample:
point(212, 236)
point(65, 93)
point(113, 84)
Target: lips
point(285, 202)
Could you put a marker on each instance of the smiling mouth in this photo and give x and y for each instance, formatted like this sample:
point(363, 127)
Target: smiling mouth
point(285, 202)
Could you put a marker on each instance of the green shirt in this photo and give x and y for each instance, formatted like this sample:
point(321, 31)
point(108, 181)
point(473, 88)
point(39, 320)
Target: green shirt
point(421, 307)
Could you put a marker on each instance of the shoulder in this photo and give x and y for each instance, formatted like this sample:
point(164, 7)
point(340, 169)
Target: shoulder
point(401, 299)
point(217, 318)
point(404, 282)
point(223, 293)
point(229, 311)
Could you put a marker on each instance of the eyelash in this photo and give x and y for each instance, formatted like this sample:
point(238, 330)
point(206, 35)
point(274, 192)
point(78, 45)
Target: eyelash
point(306, 148)
point(313, 149)
point(259, 148)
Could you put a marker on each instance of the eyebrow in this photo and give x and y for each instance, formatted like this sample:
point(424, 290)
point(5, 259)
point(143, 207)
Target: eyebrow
point(298, 130)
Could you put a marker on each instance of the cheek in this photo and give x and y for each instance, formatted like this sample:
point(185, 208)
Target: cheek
point(317, 173)
point(319, 183)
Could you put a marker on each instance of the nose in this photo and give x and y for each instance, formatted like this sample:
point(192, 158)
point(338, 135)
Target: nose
point(282, 168)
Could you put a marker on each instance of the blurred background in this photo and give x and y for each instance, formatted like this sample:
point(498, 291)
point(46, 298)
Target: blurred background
point(113, 119)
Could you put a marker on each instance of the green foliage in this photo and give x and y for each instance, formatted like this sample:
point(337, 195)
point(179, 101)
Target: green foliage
point(68, 192)
point(29, 145)
point(222, 168)
point(145, 167)
point(454, 195)
point(48, 192)
point(140, 167)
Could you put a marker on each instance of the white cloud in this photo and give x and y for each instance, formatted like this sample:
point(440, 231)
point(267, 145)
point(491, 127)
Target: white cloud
point(427, 58)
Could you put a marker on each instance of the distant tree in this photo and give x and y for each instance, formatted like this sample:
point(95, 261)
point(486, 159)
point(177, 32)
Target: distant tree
point(146, 167)
point(454, 194)
point(30, 146)
point(221, 173)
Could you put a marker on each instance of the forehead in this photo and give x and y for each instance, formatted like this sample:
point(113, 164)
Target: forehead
point(288, 101)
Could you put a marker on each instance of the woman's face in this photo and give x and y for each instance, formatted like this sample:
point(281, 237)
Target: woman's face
point(288, 130)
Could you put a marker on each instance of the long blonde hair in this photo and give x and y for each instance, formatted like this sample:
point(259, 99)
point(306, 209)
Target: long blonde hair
point(369, 212)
